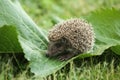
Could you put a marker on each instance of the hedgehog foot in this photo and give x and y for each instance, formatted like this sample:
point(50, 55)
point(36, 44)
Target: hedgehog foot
point(68, 54)
point(65, 57)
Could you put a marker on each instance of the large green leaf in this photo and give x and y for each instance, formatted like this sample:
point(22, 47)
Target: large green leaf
point(8, 40)
point(33, 40)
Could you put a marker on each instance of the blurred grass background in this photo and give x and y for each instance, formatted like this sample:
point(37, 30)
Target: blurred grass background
point(46, 13)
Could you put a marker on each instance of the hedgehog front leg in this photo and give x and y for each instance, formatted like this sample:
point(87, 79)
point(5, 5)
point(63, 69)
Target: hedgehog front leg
point(65, 56)
point(68, 54)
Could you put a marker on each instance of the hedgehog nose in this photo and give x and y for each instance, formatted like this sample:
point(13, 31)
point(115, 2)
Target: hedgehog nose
point(47, 54)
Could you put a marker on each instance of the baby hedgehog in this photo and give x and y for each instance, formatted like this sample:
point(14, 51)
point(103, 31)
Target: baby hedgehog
point(70, 38)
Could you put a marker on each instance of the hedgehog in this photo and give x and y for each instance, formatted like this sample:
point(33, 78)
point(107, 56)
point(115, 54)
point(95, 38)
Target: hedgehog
point(70, 38)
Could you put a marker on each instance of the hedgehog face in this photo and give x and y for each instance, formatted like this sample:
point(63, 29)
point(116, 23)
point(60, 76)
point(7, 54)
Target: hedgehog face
point(55, 48)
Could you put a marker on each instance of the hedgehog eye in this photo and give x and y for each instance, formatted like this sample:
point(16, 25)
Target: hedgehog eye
point(58, 45)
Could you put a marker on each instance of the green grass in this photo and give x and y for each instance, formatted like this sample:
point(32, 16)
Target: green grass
point(104, 67)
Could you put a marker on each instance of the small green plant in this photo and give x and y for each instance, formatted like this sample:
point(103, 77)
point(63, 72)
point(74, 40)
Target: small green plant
point(18, 33)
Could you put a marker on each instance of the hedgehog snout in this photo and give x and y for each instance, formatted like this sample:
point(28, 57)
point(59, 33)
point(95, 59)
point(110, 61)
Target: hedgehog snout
point(47, 54)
